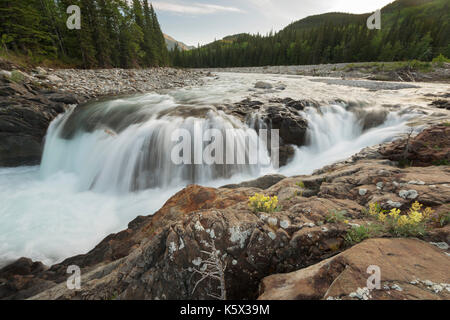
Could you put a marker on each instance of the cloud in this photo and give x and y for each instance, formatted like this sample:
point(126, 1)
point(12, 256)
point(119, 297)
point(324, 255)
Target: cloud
point(195, 8)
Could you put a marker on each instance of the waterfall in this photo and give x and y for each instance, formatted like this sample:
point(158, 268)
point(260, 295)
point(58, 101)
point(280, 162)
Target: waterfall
point(336, 133)
point(127, 146)
point(109, 161)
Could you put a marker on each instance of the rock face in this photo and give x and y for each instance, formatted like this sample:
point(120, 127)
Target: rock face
point(26, 111)
point(410, 269)
point(431, 147)
point(281, 114)
point(277, 114)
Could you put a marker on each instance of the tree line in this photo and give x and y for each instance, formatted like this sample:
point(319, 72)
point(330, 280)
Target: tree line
point(411, 29)
point(113, 33)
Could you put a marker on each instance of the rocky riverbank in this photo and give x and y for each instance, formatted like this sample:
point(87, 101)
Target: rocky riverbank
point(383, 71)
point(156, 257)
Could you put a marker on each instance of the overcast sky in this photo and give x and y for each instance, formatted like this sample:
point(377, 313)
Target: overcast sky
point(202, 21)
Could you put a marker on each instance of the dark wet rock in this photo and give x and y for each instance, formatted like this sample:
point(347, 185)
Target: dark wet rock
point(370, 119)
point(21, 280)
point(281, 114)
point(441, 104)
point(264, 182)
point(26, 111)
point(292, 126)
point(298, 105)
point(263, 85)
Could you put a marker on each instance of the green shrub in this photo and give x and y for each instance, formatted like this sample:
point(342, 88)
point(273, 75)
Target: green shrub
point(336, 216)
point(440, 60)
point(17, 76)
point(358, 234)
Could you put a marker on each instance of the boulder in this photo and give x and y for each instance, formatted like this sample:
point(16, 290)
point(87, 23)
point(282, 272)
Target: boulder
point(409, 269)
point(276, 115)
point(263, 85)
point(26, 111)
point(430, 147)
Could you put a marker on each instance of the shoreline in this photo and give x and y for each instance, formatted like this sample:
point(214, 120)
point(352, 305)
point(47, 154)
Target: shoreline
point(377, 71)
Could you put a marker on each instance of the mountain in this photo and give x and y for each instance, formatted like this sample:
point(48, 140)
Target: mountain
point(411, 29)
point(171, 43)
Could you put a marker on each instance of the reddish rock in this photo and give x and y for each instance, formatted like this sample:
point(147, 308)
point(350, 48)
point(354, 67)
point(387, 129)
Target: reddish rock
point(431, 147)
point(410, 269)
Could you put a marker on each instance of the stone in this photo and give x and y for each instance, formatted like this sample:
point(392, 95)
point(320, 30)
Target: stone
point(264, 182)
point(408, 194)
point(362, 192)
point(24, 119)
point(263, 85)
point(441, 245)
point(343, 276)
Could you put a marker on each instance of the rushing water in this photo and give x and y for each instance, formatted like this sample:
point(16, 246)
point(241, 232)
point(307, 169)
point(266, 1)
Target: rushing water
point(108, 162)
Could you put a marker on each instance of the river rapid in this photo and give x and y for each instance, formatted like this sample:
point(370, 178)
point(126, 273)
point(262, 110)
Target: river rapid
point(109, 161)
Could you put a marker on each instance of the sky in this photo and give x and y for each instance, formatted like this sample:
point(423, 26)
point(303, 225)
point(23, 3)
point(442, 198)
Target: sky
point(200, 21)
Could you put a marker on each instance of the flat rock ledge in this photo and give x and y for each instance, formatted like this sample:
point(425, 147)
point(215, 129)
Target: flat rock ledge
point(410, 269)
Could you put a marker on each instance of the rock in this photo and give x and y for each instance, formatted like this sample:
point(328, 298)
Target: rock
point(362, 192)
point(371, 119)
point(5, 74)
point(40, 71)
point(53, 78)
point(263, 183)
point(441, 245)
point(25, 114)
point(344, 276)
point(408, 194)
point(263, 85)
point(431, 147)
point(441, 104)
point(291, 125)
point(18, 281)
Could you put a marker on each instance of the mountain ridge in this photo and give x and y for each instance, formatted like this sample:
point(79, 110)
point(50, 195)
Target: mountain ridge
point(411, 30)
point(171, 43)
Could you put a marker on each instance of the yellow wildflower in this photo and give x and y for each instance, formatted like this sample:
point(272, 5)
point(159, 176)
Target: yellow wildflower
point(373, 209)
point(415, 217)
point(427, 213)
point(394, 213)
point(402, 221)
point(416, 206)
point(381, 217)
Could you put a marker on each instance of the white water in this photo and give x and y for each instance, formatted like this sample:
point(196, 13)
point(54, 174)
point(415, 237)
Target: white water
point(110, 164)
point(335, 134)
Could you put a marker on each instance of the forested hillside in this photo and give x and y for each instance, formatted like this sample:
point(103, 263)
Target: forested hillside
point(113, 33)
point(411, 29)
